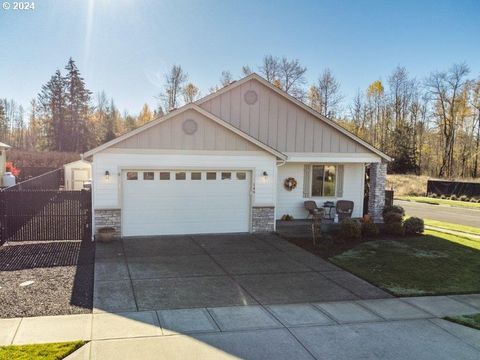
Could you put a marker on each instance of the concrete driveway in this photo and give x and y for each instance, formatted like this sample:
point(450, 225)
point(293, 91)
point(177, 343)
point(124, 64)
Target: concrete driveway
point(174, 272)
point(462, 216)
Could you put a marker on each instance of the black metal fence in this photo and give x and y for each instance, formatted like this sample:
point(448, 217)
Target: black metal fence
point(38, 215)
point(457, 188)
point(51, 180)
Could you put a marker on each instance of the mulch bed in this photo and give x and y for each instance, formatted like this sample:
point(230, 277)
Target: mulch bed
point(330, 246)
point(62, 275)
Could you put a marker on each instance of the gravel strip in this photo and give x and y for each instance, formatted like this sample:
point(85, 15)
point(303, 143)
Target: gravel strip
point(62, 275)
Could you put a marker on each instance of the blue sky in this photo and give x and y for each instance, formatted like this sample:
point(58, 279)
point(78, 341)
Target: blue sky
point(124, 46)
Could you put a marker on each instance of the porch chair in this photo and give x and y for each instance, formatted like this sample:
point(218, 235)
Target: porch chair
point(344, 209)
point(313, 210)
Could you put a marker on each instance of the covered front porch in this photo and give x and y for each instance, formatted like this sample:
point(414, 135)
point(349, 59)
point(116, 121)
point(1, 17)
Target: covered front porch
point(326, 180)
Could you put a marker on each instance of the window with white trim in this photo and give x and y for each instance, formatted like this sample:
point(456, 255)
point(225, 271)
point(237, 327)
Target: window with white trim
point(323, 180)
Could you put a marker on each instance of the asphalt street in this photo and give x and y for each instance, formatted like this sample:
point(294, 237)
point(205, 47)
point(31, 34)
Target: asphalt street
point(462, 216)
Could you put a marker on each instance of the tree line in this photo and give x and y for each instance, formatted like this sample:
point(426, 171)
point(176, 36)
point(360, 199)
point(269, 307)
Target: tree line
point(429, 126)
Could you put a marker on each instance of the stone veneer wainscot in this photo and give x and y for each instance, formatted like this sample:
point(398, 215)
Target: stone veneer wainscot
point(108, 218)
point(263, 218)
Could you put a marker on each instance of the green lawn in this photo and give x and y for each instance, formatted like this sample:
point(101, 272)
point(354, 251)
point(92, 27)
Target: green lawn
point(433, 263)
point(53, 351)
point(472, 321)
point(455, 227)
point(428, 200)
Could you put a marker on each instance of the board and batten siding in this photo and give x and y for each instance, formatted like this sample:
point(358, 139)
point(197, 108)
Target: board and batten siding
point(106, 194)
point(170, 135)
point(279, 123)
point(291, 202)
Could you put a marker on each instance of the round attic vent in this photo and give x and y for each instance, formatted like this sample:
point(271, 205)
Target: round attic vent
point(250, 97)
point(189, 126)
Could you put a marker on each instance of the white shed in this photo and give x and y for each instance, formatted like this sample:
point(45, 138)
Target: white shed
point(3, 160)
point(76, 174)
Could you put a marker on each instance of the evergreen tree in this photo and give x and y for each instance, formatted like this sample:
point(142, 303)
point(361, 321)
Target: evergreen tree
point(78, 99)
point(111, 123)
point(404, 153)
point(53, 103)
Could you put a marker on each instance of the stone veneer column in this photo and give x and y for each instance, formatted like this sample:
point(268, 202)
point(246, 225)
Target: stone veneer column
point(263, 218)
point(376, 196)
point(108, 218)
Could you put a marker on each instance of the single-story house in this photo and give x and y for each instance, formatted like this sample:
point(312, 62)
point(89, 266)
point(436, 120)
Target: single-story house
point(233, 161)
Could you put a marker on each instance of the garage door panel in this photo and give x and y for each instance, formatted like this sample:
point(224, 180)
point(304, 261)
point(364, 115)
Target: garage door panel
point(161, 207)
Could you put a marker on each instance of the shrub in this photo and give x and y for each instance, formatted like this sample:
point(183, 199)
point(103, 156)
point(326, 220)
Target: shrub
point(473, 200)
point(453, 197)
point(443, 197)
point(350, 229)
point(392, 217)
point(394, 228)
point(413, 226)
point(463, 198)
point(433, 195)
point(287, 217)
point(369, 229)
point(393, 209)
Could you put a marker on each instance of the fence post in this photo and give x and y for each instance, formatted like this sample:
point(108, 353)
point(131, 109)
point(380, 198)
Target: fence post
point(3, 219)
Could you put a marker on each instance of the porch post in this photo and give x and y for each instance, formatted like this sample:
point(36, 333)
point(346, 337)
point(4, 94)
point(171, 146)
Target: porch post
point(376, 196)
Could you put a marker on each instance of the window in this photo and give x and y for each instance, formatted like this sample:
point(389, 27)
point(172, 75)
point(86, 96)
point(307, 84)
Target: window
point(211, 175)
point(132, 175)
point(164, 175)
point(181, 175)
point(241, 175)
point(148, 175)
point(323, 180)
point(226, 175)
point(196, 176)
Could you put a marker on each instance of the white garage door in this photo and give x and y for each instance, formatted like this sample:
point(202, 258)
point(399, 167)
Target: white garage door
point(185, 202)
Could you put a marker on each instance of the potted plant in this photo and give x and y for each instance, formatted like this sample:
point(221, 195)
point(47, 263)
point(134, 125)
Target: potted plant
point(106, 234)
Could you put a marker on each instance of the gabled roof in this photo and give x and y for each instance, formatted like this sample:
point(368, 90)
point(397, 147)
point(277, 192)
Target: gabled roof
point(191, 106)
point(81, 161)
point(4, 146)
point(298, 103)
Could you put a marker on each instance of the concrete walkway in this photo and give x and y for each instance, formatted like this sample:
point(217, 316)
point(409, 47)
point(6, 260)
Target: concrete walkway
point(470, 235)
point(408, 328)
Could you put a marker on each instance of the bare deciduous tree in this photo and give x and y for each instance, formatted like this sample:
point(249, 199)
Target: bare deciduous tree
point(288, 75)
point(446, 89)
point(226, 78)
point(292, 77)
point(270, 68)
point(246, 70)
point(329, 90)
point(174, 81)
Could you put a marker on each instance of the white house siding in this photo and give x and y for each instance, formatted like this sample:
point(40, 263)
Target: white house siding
point(107, 192)
point(291, 202)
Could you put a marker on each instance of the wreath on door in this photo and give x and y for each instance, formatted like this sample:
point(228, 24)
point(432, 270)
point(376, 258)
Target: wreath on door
point(290, 183)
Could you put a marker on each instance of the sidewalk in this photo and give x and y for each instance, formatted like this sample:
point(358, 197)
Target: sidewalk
point(274, 331)
point(454, 232)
